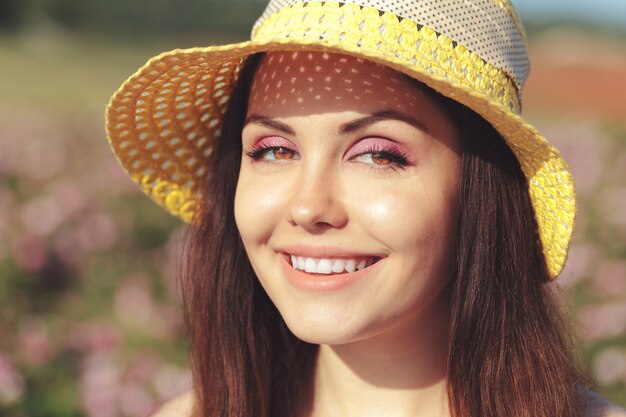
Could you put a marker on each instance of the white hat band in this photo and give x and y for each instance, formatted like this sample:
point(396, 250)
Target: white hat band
point(489, 28)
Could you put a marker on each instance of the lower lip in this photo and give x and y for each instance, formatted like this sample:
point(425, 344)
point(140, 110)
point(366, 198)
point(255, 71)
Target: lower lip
point(321, 282)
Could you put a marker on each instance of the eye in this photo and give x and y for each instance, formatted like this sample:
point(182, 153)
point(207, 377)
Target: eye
point(274, 153)
point(272, 149)
point(381, 158)
point(379, 153)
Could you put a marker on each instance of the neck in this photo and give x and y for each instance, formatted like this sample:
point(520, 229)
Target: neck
point(398, 373)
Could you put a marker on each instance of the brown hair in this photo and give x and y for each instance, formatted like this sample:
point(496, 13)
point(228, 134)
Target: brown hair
point(507, 354)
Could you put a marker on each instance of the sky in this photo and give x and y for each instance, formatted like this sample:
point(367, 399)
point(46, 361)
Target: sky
point(611, 12)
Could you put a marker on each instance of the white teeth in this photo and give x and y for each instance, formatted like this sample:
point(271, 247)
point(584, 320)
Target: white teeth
point(338, 266)
point(310, 265)
point(325, 266)
point(329, 266)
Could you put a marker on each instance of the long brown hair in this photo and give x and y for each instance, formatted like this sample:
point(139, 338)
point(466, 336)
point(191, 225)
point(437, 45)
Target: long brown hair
point(507, 354)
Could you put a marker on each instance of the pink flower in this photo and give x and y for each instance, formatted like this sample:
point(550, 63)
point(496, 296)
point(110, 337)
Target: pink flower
point(617, 171)
point(70, 198)
point(11, 382)
point(579, 263)
point(41, 154)
point(33, 342)
point(610, 366)
point(135, 401)
point(96, 231)
point(610, 279)
point(143, 368)
point(602, 321)
point(171, 381)
point(30, 253)
point(612, 202)
point(100, 385)
point(584, 147)
point(67, 248)
point(134, 304)
point(42, 215)
point(94, 336)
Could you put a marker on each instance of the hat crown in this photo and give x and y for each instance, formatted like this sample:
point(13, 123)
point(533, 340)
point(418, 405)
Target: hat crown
point(489, 28)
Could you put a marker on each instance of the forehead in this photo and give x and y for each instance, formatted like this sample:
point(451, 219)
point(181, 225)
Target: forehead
point(293, 82)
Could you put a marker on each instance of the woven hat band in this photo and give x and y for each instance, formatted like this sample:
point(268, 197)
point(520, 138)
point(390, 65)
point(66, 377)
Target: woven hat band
point(363, 30)
point(489, 28)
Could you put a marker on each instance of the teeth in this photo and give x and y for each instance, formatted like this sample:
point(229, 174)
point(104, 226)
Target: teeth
point(338, 266)
point(310, 265)
point(351, 265)
point(325, 266)
point(329, 266)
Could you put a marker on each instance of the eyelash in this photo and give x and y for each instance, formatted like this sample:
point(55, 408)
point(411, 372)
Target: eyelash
point(257, 151)
point(397, 159)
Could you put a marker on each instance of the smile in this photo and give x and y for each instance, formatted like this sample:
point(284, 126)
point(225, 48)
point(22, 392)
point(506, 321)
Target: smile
point(328, 266)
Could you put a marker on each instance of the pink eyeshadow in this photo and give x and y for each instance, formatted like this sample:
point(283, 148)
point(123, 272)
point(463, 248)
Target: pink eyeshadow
point(377, 145)
point(275, 142)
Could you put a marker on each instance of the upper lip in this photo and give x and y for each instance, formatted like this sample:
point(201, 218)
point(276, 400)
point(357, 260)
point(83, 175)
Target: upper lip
point(327, 252)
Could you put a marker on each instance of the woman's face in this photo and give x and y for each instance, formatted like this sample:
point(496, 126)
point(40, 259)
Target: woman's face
point(347, 195)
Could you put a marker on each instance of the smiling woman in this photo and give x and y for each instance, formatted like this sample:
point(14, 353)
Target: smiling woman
point(374, 227)
point(333, 184)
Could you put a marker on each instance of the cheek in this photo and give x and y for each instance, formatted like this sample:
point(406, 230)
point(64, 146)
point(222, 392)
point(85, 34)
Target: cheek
point(257, 204)
point(405, 217)
point(416, 218)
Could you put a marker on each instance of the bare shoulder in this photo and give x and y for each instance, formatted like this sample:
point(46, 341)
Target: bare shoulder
point(596, 406)
point(180, 406)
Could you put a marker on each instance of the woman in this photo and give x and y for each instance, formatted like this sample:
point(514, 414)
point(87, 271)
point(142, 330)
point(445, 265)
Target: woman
point(374, 225)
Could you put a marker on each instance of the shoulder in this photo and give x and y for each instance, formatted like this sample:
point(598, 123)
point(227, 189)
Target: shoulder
point(181, 406)
point(596, 406)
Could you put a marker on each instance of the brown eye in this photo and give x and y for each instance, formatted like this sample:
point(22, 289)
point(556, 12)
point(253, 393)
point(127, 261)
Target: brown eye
point(380, 158)
point(272, 153)
point(282, 153)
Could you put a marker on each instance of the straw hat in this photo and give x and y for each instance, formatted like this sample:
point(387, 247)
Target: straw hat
point(164, 120)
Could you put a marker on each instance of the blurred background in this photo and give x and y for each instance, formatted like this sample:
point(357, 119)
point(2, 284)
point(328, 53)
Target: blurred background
point(89, 320)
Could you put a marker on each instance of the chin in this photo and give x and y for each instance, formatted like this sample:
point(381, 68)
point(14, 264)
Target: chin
point(320, 337)
point(323, 328)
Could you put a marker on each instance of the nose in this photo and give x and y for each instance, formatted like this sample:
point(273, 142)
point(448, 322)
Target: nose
point(317, 203)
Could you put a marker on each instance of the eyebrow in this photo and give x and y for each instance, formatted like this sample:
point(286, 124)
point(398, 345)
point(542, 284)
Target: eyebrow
point(349, 127)
point(271, 123)
point(378, 117)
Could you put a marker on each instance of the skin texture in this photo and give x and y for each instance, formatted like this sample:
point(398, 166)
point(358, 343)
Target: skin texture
point(343, 157)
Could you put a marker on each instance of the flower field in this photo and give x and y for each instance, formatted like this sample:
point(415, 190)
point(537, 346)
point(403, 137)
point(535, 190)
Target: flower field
point(89, 314)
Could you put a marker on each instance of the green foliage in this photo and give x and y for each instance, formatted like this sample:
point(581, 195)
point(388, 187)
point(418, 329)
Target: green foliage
point(153, 17)
point(12, 13)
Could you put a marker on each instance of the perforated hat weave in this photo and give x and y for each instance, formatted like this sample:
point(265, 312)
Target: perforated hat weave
point(165, 119)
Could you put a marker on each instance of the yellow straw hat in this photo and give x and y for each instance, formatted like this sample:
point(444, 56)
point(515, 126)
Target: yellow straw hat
point(164, 120)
